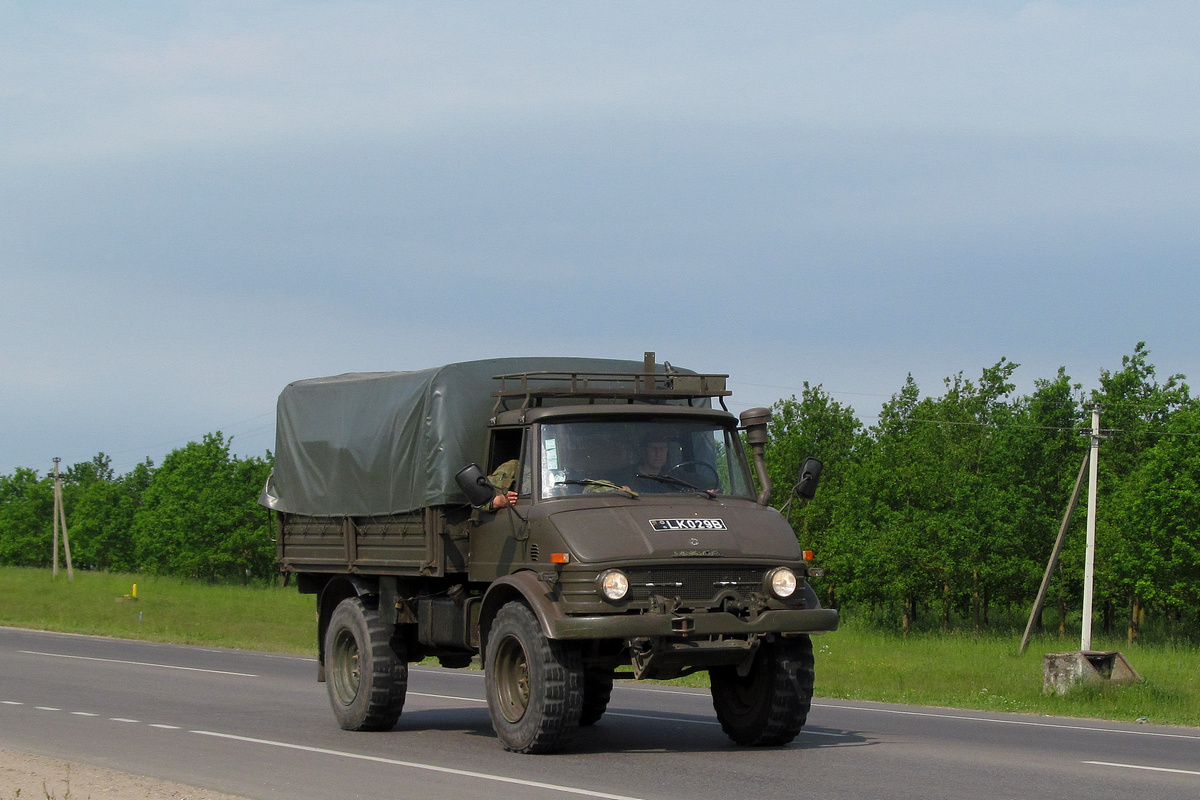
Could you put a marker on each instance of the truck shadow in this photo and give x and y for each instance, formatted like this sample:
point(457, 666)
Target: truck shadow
point(692, 734)
point(629, 732)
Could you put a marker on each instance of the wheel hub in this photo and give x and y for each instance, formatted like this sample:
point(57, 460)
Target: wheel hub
point(514, 684)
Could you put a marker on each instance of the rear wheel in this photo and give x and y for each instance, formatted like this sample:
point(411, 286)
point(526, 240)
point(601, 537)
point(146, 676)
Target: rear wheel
point(770, 704)
point(365, 669)
point(534, 684)
point(597, 689)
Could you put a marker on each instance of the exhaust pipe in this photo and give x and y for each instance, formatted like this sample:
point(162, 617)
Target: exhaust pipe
point(754, 422)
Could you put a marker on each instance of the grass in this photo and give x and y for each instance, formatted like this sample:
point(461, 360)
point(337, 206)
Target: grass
point(166, 610)
point(858, 662)
point(985, 673)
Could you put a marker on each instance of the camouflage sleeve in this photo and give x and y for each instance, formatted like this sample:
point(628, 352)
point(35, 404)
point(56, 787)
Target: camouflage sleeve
point(502, 480)
point(505, 476)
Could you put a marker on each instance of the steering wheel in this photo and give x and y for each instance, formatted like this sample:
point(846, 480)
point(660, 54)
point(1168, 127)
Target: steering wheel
point(691, 467)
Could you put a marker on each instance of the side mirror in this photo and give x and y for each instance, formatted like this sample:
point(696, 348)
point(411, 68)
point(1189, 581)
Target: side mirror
point(810, 474)
point(474, 485)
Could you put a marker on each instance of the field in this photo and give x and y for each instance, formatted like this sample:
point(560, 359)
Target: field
point(857, 662)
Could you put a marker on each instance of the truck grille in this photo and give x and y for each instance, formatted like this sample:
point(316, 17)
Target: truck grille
point(695, 584)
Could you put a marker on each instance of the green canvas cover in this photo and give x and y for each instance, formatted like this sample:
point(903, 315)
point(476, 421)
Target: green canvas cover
point(371, 443)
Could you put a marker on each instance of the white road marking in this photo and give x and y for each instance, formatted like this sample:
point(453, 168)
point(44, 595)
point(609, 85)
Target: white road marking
point(124, 719)
point(11, 703)
point(84, 714)
point(1141, 766)
point(1027, 723)
point(661, 718)
point(416, 765)
point(164, 727)
point(701, 693)
point(140, 663)
point(47, 708)
point(447, 697)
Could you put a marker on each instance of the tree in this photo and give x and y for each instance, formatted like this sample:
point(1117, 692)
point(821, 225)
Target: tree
point(101, 509)
point(199, 516)
point(815, 426)
point(1046, 458)
point(26, 508)
point(1137, 408)
point(1160, 517)
point(876, 547)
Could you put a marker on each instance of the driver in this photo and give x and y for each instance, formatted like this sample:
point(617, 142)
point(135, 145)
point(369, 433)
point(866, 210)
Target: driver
point(654, 456)
point(652, 460)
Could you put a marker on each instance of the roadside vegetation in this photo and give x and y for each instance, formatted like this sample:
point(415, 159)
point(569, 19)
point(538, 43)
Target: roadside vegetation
point(256, 617)
point(963, 670)
point(859, 662)
point(941, 514)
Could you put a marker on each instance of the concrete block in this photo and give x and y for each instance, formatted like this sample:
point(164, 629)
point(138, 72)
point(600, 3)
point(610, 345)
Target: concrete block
point(1061, 671)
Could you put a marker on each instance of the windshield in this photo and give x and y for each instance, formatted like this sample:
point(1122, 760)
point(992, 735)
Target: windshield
point(646, 457)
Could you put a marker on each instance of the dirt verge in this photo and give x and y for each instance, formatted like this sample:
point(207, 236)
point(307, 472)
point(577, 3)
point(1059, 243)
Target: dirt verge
point(30, 777)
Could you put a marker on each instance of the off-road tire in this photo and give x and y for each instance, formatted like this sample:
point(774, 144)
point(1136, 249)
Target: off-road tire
point(769, 706)
point(534, 684)
point(597, 689)
point(365, 669)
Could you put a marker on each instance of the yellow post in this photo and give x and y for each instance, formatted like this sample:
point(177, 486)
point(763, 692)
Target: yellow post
point(135, 591)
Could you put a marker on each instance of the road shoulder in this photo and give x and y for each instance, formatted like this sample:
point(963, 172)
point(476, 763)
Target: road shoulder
point(25, 775)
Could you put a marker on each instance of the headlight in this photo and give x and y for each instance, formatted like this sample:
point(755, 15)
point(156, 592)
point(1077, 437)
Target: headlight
point(782, 582)
point(613, 584)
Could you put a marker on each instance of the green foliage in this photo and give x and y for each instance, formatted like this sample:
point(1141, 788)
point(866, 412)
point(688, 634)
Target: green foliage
point(1147, 433)
point(199, 516)
point(948, 506)
point(101, 513)
point(26, 505)
point(816, 426)
point(195, 516)
point(1161, 517)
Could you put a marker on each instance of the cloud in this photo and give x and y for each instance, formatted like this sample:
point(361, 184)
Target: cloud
point(92, 83)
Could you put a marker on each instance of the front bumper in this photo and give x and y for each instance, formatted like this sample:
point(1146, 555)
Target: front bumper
point(695, 624)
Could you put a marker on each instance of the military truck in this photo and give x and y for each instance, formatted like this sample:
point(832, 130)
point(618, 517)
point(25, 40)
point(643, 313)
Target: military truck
point(638, 546)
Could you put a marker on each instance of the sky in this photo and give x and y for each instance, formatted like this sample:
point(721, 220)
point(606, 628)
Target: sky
point(203, 201)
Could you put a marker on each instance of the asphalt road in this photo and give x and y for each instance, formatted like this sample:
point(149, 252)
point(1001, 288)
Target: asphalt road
point(258, 725)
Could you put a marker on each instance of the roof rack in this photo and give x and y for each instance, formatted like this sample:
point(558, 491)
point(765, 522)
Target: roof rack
point(632, 387)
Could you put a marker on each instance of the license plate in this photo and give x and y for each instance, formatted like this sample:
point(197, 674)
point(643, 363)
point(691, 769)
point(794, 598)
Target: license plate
point(688, 524)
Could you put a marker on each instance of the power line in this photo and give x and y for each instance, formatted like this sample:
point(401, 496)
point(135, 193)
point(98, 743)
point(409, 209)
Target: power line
point(231, 429)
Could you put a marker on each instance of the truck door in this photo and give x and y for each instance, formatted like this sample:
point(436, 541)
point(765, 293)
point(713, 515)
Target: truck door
point(498, 542)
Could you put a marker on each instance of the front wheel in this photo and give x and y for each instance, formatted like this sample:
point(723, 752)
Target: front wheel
point(768, 706)
point(597, 690)
point(365, 669)
point(534, 684)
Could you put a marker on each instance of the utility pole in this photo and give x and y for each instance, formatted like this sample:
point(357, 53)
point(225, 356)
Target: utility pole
point(60, 519)
point(1058, 544)
point(1089, 562)
point(1060, 671)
